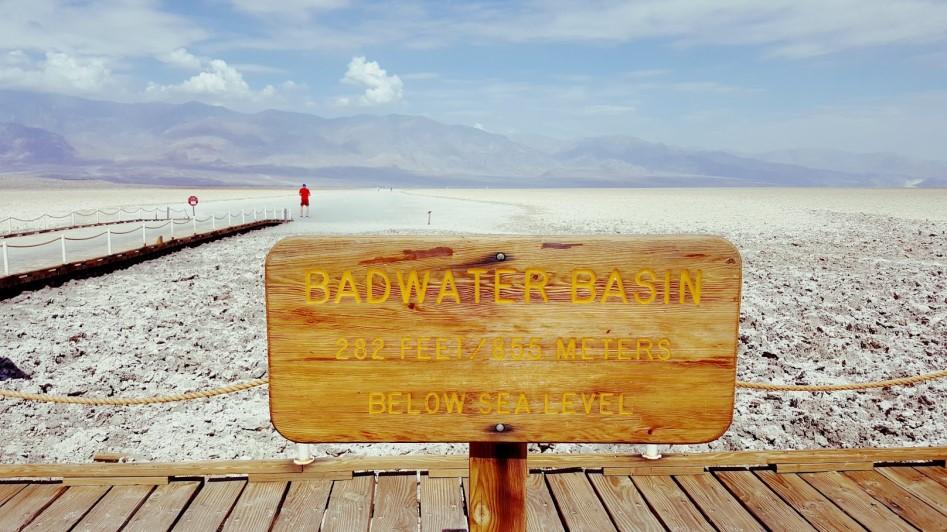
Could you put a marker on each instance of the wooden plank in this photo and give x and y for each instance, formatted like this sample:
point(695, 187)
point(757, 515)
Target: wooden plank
point(164, 505)
point(578, 504)
point(824, 466)
point(822, 513)
point(149, 469)
point(497, 499)
point(68, 508)
point(9, 490)
point(670, 503)
point(541, 513)
point(27, 504)
point(921, 485)
point(304, 506)
point(717, 504)
point(350, 505)
point(211, 505)
point(114, 509)
point(766, 506)
point(938, 473)
point(624, 503)
point(256, 507)
point(442, 504)
point(295, 477)
point(519, 331)
point(396, 503)
point(653, 471)
point(448, 473)
point(850, 497)
point(114, 481)
point(898, 500)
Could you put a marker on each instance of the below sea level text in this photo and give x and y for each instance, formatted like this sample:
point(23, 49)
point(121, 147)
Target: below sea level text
point(485, 403)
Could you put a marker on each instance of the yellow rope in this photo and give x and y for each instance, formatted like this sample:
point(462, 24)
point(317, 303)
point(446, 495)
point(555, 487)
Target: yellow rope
point(116, 401)
point(904, 381)
point(255, 383)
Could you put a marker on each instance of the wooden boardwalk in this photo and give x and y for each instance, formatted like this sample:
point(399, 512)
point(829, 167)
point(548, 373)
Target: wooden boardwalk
point(892, 489)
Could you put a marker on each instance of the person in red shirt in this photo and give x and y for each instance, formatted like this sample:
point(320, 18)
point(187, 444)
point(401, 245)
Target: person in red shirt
point(304, 202)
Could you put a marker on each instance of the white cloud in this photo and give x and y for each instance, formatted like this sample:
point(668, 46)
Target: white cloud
point(380, 88)
point(217, 79)
point(58, 72)
point(287, 8)
point(181, 58)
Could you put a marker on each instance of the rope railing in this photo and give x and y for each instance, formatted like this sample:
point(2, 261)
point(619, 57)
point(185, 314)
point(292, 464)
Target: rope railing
point(255, 383)
point(48, 242)
point(79, 238)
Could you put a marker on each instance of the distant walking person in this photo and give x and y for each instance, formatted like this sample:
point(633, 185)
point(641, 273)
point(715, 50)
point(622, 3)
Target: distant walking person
point(304, 202)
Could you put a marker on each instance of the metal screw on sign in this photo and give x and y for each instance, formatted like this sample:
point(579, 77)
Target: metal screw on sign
point(500, 427)
point(501, 256)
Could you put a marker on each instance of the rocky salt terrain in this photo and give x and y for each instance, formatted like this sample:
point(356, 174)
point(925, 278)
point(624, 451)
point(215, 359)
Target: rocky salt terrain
point(838, 287)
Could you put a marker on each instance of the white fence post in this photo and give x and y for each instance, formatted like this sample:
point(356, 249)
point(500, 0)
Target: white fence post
point(73, 218)
point(98, 218)
point(228, 218)
point(10, 225)
point(213, 222)
point(45, 221)
point(108, 239)
point(243, 216)
point(62, 243)
point(6, 263)
point(144, 239)
point(194, 223)
point(172, 229)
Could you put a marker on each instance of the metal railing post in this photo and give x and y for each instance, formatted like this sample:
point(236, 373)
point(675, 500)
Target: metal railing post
point(108, 239)
point(228, 219)
point(144, 239)
point(243, 216)
point(62, 243)
point(6, 263)
point(213, 222)
point(172, 229)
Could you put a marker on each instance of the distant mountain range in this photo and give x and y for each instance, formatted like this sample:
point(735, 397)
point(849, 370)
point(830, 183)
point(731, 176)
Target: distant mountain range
point(66, 137)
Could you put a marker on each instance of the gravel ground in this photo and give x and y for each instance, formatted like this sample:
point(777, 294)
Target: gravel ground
point(832, 293)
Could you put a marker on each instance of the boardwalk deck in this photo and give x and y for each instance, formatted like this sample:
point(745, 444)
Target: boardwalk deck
point(904, 489)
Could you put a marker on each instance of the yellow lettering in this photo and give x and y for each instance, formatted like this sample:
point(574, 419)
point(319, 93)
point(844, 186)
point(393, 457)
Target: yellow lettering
point(322, 285)
point(614, 287)
point(412, 411)
point(649, 284)
point(440, 351)
point(584, 352)
point(485, 405)
point(587, 402)
point(693, 284)
point(567, 406)
point(667, 287)
point(429, 407)
point(454, 403)
point(445, 291)
point(644, 344)
point(536, 279)
point(370, 287)
point(564, 352)
point(664, 344)
point(522, 405)
point(422, 343)
point(588, 283)
point(476, 272)
point(621, 406)
point(414, 285)
point(498, 285)
point(502, 399)
point(405, 345)
point(376, 403)
point(603, 403)
point(394, 400)
point(347, 288)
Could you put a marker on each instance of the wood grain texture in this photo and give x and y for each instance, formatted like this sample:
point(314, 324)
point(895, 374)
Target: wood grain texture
point(899, 500)
point(162, 507)
point(211, 505)
point(921, 485)
point(856, 502)
point(9, 490)
point(442, 504)
point(28, 503)
point(671, 504)
point(304, 506)
point(578, 504)
point(68, 508)
point(350, 505)
point(396, 503)
point(541, 513)
point(625, 504)
point(505, 360)
point(497, 500)
point(766, 506)
point(825, 466)
point(114, 509)
point(822, 513)
point(114, 481)
point(938, 473)
point(256, 507)
point(717, 504)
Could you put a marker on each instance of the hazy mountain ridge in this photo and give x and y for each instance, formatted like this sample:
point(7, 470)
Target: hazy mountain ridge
point(54, 135)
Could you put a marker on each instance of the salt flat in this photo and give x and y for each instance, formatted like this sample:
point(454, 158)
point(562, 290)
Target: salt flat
point(840, 285)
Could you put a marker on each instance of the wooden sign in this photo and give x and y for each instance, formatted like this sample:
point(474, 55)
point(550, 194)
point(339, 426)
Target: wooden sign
point(502, 338)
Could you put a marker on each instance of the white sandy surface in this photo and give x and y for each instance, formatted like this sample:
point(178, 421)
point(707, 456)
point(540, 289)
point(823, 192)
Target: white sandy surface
point(840, 286)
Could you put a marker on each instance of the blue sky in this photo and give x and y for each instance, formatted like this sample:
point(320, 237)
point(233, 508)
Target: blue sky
point(741, 75)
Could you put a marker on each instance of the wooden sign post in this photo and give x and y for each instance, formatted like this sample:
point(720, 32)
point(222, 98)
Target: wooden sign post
point(500, 341)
